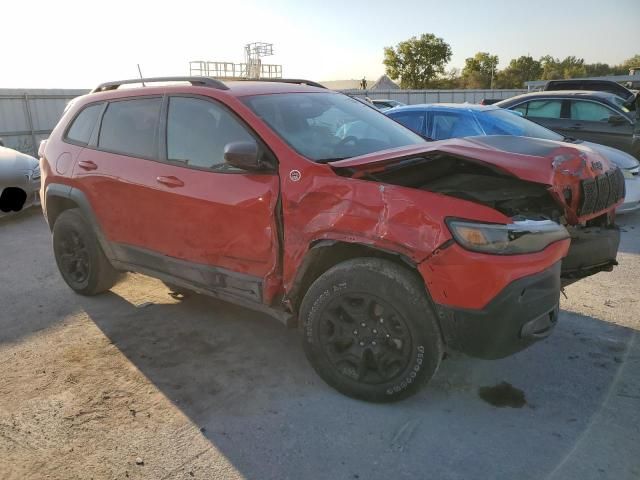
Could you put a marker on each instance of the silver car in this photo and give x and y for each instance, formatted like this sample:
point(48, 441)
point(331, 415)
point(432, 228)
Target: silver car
point(19, 181)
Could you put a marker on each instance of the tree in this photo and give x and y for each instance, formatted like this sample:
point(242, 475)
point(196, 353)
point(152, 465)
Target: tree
point(598, 69)
point(570, 67)
point(417, 61)
point(479, 70)
point(520, 70)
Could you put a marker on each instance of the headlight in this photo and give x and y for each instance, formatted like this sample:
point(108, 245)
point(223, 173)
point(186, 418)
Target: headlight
point(526, 236)
point(35, 173)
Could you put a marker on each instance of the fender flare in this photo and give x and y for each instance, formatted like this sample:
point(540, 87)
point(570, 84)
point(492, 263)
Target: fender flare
point(77, 197)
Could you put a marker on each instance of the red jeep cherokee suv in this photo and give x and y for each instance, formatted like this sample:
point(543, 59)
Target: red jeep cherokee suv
point(311, 206)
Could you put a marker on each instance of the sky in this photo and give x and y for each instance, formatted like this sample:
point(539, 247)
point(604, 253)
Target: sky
point(78, 44)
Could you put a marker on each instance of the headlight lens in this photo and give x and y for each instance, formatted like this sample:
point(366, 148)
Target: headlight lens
point(525, 236)
point(630, 172)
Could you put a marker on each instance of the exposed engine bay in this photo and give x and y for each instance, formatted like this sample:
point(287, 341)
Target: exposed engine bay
point(594, 243)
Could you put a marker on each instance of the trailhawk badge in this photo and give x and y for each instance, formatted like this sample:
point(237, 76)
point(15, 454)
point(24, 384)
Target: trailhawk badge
point(295, 175)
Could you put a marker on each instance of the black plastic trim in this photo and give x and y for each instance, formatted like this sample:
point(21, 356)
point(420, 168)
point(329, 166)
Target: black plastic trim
point(522, 313)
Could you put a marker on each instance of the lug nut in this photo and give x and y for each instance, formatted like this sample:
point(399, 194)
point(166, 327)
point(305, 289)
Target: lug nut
point(363, 324)
point(355, 332)
point(373, 343)
point(362, 344)
point(375, 331)
point(382, 320)
point(387, 335)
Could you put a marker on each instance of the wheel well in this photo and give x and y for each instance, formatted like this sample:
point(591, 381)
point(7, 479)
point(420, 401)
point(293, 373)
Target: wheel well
point(325, 254)
point(55, 206)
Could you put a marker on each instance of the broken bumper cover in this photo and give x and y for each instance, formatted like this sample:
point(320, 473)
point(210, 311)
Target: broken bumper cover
point(524, 312)
point(593, 250)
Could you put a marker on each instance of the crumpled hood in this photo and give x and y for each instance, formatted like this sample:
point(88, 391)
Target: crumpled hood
point(566, 169)
point(531, 159)
point(12, 161)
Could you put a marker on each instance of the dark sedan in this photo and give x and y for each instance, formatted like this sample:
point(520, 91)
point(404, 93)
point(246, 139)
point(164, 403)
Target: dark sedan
point(598, 117)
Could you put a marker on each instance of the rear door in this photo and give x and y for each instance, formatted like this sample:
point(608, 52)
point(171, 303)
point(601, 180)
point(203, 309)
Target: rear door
point(590, 120)
point(549, 112)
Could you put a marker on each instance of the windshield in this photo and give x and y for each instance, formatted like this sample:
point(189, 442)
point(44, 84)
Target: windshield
point(504, 122)
point(621, 103)
point(329, 126)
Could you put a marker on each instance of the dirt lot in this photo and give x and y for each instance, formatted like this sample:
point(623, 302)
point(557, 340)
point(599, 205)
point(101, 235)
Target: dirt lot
point(135, 384)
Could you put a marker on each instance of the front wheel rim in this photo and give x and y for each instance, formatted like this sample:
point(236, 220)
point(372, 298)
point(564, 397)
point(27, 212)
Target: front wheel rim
point(365, 338)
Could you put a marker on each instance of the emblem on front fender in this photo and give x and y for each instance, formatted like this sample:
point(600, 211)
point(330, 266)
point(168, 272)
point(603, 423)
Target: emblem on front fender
point(596, 165)
point(295, 175)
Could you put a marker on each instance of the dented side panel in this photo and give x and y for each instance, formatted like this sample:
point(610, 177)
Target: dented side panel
point(320, 205)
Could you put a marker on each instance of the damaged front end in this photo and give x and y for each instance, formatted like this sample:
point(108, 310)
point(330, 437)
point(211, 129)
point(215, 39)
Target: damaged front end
point(528, 180)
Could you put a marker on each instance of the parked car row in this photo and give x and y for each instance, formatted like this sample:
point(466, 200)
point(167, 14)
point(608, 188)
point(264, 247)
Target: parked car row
point(443, 121)
point(386, 249)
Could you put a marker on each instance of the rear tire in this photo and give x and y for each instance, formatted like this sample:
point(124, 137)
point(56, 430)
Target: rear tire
point(79, 257)
point(370, 331)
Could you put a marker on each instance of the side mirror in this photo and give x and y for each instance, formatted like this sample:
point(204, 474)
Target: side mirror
point(245, 155)
point(617, 119)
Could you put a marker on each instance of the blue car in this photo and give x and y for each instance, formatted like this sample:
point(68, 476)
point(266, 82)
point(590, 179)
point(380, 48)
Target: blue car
point(451, 120)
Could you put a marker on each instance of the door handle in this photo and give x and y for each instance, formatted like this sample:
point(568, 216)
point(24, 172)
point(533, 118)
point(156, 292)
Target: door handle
point(170, 181)
point(576, 126)
point(87, 165)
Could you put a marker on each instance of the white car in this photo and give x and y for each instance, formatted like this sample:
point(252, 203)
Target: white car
point(19, 181)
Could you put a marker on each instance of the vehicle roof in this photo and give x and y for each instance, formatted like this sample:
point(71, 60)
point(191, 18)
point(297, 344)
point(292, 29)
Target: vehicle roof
point(443, 106)
point(238, 88)
point(565, 93)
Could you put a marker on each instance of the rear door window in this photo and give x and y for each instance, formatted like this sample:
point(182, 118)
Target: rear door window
point(413, 120)
point(84, 123)
point(453, 125)
point(544, 108)
point(198, 130)
point(130, 127)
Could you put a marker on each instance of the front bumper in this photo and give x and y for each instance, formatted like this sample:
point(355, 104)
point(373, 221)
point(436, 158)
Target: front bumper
point(524, 312)
point(592, 250)
point(632, 196)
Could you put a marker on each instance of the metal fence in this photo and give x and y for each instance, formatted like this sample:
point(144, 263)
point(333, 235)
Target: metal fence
point(412, 97)
point(28, 116)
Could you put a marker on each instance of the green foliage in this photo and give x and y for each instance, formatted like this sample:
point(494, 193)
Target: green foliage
point(420, 63)
point(417, 61)
point(479, 70)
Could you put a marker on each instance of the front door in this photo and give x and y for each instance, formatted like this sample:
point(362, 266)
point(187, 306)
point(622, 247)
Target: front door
point(591, 121)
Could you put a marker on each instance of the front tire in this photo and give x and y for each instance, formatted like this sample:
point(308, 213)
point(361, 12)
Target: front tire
point(79, 257)
point(370, 331)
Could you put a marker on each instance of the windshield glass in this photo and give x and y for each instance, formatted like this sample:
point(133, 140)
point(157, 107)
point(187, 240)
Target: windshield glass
point(329, 126)
point(504, 122)
point(621, 103)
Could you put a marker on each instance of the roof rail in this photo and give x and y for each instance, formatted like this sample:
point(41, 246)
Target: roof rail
point(299, 81)
point(196, 81)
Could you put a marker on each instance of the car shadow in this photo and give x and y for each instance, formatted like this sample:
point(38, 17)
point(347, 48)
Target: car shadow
point(243, 378)
point(27, 269)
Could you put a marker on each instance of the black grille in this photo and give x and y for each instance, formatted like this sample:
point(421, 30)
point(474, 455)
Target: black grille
point(601, 192)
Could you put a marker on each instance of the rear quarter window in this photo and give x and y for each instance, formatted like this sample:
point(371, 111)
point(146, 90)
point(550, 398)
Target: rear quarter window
point(83, 124)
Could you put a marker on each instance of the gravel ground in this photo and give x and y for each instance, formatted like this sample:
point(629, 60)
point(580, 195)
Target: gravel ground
point(136, 384)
